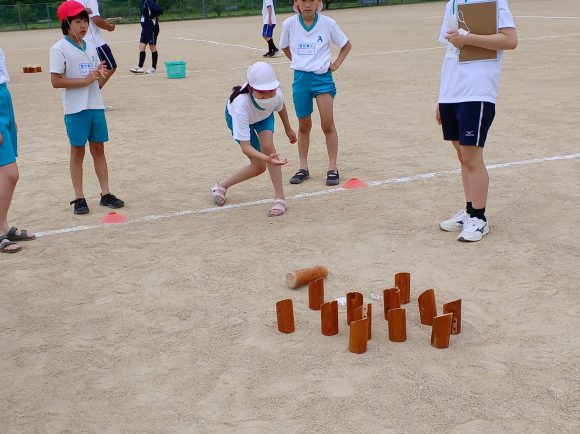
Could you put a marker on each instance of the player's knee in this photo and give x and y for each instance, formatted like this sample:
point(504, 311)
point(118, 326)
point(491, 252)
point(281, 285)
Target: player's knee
point(328, 127)
point(304, 126)
point(97, 150)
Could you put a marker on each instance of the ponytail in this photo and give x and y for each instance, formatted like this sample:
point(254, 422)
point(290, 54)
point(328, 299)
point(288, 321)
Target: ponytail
point(237, 90)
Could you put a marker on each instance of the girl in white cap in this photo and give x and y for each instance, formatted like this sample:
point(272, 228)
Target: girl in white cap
point(250, 117)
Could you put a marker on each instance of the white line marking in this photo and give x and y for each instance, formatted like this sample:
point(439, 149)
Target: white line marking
point(548, 18)
point(219, 43)
point(302, 195)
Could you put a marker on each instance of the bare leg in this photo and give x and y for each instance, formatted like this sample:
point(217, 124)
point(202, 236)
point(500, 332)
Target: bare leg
point(304, 127)
point(325, 107)
point(110, 72)
point(100, 162)
point(267, 145)
point(255, 168)
point(77, 155)
point(464, 173)
point(8, 179)
point(472, 157)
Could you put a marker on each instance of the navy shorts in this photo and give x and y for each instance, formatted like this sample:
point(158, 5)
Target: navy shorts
point(467, 122)
point(149, 37)
point(268, 31)
point(104, 52)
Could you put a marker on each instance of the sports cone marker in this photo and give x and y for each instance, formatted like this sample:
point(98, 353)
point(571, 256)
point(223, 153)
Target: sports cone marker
point(354, 183)
point(113, 217)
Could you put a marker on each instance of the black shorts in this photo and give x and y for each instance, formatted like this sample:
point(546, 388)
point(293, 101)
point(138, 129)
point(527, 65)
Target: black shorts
point(467, 122)
point(104, 52)
point(149, 37)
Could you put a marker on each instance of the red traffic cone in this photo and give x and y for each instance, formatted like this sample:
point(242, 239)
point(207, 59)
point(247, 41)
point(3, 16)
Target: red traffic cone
point(113, 217)
point(354, 183)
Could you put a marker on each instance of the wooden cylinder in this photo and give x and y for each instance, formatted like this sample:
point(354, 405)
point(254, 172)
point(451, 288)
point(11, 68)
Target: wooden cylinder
point(427, 307)
point(454, 307)
point(285, 314)
point(357, 340)
point(353, 300)
point(302, 277)
point(403, 282)
point(441, 331)
point(391, 300)
point(397, 325)
point(365, 312)
point(329, 318)
point(38, 68)
point(316, 294)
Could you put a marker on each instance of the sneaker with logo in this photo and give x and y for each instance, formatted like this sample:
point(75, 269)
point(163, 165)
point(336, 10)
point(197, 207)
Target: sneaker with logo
point(111, 201)
point(81, 206)
point(151, 71)
point(137, 70)
point(456, 223)
point(474, 229)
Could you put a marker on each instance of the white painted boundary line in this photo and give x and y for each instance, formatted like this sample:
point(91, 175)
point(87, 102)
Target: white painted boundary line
point(302, 195)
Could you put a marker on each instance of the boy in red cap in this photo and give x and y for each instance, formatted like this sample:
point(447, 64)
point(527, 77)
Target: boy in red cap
point(76, 70)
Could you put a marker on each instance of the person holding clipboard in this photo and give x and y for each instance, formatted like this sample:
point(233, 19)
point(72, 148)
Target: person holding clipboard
point(467, 96)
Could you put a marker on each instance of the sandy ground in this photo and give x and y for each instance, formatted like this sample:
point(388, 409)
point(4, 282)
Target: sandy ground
point(167, 324)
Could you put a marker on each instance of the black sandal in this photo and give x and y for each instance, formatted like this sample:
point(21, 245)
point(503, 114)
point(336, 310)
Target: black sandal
point(5, 244)
point(332, 177)
point(300, 176)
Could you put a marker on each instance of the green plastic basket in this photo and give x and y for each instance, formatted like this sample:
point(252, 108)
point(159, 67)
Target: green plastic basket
point(175, 69)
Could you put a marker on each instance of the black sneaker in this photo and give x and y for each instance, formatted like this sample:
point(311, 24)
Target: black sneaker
point(81, 206)
point(111, 201)
point(273, 53)
point(267, 54)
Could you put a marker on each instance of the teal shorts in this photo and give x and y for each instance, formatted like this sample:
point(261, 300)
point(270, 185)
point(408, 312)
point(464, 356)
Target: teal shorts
point(308, 85)
point(8, 148)
point(86, 125)
point(255, 129)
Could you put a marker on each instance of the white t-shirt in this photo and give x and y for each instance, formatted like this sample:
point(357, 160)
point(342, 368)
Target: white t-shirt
point(244, 112)
point(94, 33)
point(475, 81)
point(268, 4)
point(311, 48)
point(4, 77)
point(68, 59)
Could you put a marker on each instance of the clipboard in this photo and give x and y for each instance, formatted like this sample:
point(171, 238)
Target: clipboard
point(481, 19)
point(112, 20)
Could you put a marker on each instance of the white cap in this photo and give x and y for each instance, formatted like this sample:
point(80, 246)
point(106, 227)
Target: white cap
point(297, 9)
point(262, 77)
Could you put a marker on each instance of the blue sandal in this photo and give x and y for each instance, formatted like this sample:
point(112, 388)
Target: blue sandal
point(300, 176)
point(332, 177)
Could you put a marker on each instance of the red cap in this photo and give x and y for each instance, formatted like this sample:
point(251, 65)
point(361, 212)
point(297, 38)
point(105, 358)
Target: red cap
point(69, 9)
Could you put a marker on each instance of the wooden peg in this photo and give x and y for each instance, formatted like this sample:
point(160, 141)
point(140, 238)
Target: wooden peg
point(285, 314)
point(397, 325)
point(454, 307)
point(329, 318)
point(302, 277)
point(357, 340)
point(427, 307)
point(353, 300)
point(391, 300)
point(403, 282)
point(365, 312)
point(316, 294)
point(441, 330)
point(38, 68)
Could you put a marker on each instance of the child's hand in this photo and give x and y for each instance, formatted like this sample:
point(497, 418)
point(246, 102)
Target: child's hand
point(291, 135)
point(455, 38)
point(332, 67)
point(275, 161)
point(437, 115)
point(102, 68)
point(93, 76)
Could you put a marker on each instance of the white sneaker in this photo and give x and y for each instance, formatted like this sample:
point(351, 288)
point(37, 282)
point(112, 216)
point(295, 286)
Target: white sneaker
point(137, 70)
point(474, 229)
point(108, 108)
point(151, 71)
point(456, 223)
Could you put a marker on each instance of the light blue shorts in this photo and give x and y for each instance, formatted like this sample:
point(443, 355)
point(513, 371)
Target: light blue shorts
point(255, 129)
point(8, 148)
point(86, 125)
point(308, 85)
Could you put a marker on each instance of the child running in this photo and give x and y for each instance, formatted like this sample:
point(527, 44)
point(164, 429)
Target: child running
point(269, 20)
point(305, 40)
point(74, 69)
point(466, 110)
point(250, 117)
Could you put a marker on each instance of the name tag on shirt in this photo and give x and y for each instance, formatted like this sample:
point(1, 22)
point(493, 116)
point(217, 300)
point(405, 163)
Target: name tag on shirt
point(85, 69)
point(306, 49)
point(142, 19)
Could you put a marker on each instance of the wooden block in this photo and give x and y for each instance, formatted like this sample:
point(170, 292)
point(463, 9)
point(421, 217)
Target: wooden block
point(365, 312)
point(285, 314)
point(397, 325)
point(316, 294)
point(357, 340)
point(329, 318)
point(454, 307)
point(391, 300)
point(353, 300)
point(302, 277)
point(427, 307)
point(403, 282)
point(441, 331)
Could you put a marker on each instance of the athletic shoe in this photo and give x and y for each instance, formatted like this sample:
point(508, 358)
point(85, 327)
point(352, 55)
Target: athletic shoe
point(267, 54)
point(273, 53)
point(108, 108)
point(151, 71)
point(81, 206)
point(137, 70)
point(456, 223)
point(474, 229)
point(111, 201)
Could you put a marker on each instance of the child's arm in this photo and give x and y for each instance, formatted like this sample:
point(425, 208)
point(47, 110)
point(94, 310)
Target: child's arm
point(102, 24)
point(284, 118)
point(287, 52)
point(269, 15)
point(505, 39)
point(58, 82)
point(341, 56)
point(252, 153)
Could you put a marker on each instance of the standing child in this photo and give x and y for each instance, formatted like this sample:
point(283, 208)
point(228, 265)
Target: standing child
point(8, 168)
point(150, 10)
point(75, 70)
point(269, 19)
point(250, 117)
point(466, 110)
point(305, 40)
